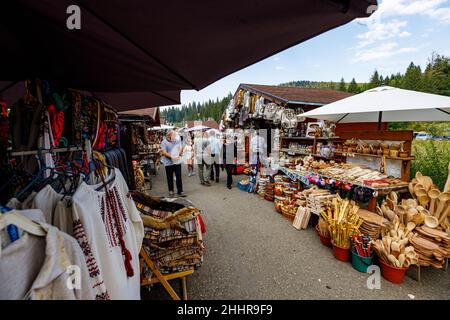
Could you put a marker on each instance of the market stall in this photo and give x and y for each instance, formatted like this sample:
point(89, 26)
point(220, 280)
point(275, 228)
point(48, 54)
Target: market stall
point(65, 182)
point(355, 187)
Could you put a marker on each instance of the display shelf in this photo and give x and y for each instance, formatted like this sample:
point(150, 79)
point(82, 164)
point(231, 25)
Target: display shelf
point(307, 154)
point(323, 157)
point(310, 138)
point(296, 152)
point(302, 177)
point(352, 154)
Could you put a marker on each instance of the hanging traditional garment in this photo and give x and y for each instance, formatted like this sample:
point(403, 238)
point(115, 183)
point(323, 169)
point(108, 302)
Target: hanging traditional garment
point(39, 268)
point(56, 123)
point(240, 97)
point(252, 103)
point(108, 226)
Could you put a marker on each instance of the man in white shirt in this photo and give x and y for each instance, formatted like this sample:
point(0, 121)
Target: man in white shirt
point(215, 154)
point(171, 157)
point(258, 149)
point(203, 157)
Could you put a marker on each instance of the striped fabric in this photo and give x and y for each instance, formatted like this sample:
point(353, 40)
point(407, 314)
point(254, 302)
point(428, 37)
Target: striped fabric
point(172, 250)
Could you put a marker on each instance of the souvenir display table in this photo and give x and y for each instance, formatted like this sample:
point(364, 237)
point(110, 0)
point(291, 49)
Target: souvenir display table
point(310, 178)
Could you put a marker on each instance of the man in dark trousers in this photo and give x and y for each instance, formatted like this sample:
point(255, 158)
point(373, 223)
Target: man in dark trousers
point(171, 152)
point(229, 152)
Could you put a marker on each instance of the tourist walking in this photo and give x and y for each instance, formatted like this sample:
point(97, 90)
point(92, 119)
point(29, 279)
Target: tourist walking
point(189, 157)
point(229, 153)
point(215, 154)
point(171, 153)
point(258, 147)
point(203, 158)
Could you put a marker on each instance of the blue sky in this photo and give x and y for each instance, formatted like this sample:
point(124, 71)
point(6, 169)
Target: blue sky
point(399, 32)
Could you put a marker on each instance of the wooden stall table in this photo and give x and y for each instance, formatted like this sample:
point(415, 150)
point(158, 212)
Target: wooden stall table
point(376, 192)
point(164, 279)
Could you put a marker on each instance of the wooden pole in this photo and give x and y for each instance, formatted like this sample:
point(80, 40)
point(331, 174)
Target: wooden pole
point(380, 117)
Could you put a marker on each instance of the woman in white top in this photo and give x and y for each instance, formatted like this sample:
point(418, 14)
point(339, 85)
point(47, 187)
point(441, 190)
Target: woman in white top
point(189, 157)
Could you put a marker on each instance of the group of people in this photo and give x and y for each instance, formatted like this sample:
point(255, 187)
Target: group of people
point(210, 153)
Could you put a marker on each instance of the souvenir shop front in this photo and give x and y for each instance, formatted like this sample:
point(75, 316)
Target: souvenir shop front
point(141, 145)
point(354, 187)
point(70, 208)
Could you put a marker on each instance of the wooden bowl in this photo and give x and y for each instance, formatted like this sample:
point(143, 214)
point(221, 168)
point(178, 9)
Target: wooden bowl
point(393, 153)
point(431, 222)
point(403, 154)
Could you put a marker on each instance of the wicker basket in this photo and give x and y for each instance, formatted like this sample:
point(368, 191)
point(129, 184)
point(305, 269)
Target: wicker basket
point(278, 205)
point(288, 214)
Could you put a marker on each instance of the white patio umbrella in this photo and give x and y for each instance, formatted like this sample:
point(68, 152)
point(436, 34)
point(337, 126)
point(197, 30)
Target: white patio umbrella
point(385, 104)
point(197, 128)
point(162, 127)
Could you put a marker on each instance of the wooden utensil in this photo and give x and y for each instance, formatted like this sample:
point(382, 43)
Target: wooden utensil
point(442, 200)
point(419, 176)
point(444, 215)
point(427, 182)
point(424, 200)
point(433, 194)
point(418, 186)
point(421, 192)
point(401, 259)
point(390, 215)
point(431, 221)
point(411, 188)
point(409, 227)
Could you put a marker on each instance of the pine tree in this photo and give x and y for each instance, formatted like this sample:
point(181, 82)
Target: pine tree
point(412, 79)
point(353, 86)
point(342, 85)
point(374, 80)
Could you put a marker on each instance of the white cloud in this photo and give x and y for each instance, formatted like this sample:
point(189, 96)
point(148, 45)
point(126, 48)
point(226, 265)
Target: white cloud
point(382, 51)
point(279, 68)
point(387, 27)
point(434, 9)
point(382, 31)
point(276, 59)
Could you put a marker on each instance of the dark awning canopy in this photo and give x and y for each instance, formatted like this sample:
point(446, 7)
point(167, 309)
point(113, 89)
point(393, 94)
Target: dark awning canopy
point(12, 91)
point(148, 46)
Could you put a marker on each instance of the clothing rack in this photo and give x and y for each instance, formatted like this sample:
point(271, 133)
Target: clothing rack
point(45, 151)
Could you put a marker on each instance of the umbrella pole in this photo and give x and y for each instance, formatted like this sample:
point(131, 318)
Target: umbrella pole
point(380, 117)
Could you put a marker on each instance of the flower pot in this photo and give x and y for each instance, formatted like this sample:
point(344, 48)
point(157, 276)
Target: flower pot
point(361, 263)
point(342, 254)
point(391, 273)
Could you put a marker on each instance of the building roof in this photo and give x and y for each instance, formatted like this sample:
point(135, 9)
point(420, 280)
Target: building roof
point(208, 123)
point(297, 95)
point(151, 112)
